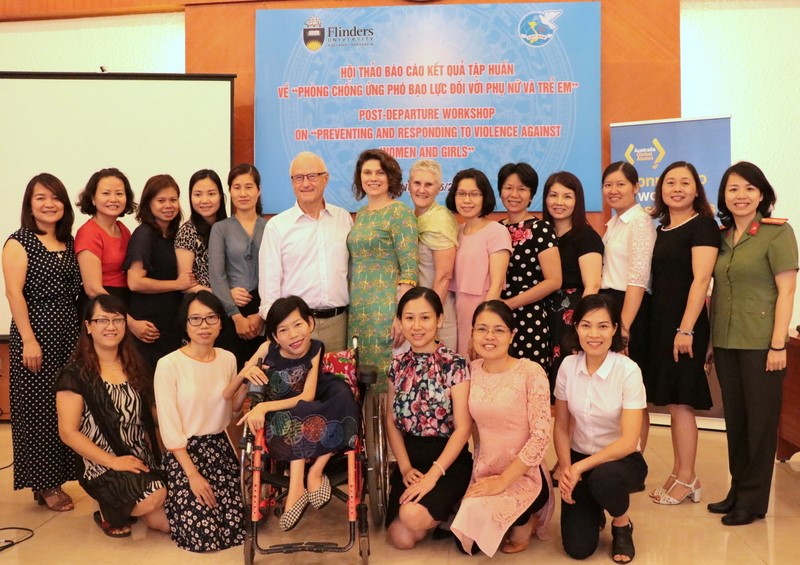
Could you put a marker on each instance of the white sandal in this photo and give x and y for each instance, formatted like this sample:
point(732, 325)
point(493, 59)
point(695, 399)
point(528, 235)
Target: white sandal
point(669, 500)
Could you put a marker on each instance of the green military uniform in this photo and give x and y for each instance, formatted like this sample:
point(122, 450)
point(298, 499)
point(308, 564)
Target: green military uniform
point(743, 302)
point(742, 322)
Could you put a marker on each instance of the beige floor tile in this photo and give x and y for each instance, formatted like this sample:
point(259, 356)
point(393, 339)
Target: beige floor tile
point(664, 535)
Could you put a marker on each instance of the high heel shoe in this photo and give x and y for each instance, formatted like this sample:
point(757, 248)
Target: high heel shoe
point(55, 499)
point(669, 500)
point(661, 491)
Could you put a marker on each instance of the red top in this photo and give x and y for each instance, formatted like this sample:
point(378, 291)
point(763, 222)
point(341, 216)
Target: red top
point(110, 250)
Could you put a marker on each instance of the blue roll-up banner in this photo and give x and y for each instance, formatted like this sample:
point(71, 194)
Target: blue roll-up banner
point(476, 85)
point(652, 145)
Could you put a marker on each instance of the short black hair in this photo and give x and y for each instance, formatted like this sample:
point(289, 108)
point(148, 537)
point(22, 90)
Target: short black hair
point(626, 168)
point(282, 309)
point(489, 201)
point(144, 214)
point(755, 176)
point(699, 204)
point(420, 292)
point(527, 175)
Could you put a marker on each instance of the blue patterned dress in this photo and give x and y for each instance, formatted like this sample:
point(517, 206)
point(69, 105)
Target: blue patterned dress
point(327, 424)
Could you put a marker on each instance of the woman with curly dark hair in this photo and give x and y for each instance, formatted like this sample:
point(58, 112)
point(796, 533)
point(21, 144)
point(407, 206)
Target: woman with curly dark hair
point(383, 257)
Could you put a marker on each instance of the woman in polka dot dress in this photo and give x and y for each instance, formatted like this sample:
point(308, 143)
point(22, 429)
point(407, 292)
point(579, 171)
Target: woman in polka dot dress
point(42, 284)
point(534, 270)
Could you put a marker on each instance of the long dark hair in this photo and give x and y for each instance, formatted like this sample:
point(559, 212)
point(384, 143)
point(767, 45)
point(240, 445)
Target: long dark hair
point(144, 214)
point(51, 183)
point(755, 176)
point(133, 365)
point(201, 226)
point(699, 204)
point(570, 181)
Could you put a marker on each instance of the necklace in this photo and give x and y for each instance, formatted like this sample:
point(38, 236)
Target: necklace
point(690, 218)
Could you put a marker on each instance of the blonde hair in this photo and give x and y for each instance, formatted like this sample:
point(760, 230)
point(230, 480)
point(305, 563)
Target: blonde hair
point(427, 165)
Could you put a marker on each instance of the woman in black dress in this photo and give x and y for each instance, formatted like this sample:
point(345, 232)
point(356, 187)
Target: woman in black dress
point(687, 242)
point(153, 276)
point(42, 284)
point(104, 415)
point(581, 251)
point(534, 269)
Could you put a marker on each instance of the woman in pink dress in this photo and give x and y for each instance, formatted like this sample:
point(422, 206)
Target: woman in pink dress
point(484, 248)
point(510, 496)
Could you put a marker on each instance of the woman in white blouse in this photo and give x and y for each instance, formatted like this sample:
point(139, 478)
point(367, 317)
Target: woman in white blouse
point(629, 240)
point(193, 387)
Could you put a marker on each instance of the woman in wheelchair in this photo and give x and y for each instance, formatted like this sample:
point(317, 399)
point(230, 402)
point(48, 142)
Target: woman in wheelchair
point(104, 415)
point(428, 426)
point(191, 385)
point(307, 414)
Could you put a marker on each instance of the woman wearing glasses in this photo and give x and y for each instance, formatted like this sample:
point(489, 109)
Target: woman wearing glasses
point(104, 415)
point(484, 248)
point(204, 505)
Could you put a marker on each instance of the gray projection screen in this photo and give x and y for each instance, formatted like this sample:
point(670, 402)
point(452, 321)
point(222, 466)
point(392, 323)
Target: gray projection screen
point(73, 124)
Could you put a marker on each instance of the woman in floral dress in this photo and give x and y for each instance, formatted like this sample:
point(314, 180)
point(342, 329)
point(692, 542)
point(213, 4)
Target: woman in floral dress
point(534, 269)
point(383, 257)
point(428, 424)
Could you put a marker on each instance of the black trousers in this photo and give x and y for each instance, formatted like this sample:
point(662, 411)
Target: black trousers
point(751, 397)
point(605, 488)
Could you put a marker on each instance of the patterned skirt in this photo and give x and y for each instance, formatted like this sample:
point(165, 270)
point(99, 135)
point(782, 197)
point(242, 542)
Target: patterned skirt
point(117, 492)
point(196, 527)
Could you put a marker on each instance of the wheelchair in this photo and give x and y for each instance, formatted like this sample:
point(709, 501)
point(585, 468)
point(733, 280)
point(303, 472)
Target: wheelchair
point(265, 484)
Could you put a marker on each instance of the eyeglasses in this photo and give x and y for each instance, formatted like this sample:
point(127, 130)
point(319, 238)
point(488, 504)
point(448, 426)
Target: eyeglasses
point(312, 177)
point(211, 320)
point(521, 189)
point(103, 322)
point(499, 331)
point(471, 195)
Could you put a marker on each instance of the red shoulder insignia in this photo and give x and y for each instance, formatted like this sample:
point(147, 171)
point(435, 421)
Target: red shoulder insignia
point(754, 227)
point(774, 221)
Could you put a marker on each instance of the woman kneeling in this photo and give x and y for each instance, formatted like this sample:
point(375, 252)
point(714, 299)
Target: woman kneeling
point(104, 415)
point(601, 392)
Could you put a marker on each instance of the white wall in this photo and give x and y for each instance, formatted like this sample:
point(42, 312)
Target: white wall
point(132, 44)
point(739, 58)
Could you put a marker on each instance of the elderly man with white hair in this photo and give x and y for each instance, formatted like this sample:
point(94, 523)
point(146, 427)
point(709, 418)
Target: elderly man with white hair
point(304, 253)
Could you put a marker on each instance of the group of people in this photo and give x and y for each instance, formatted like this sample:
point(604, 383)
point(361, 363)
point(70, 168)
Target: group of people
point(473, 322)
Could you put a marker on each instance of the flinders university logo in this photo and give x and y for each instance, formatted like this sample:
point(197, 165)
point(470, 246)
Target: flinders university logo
point(313, 34)
point(537, 29)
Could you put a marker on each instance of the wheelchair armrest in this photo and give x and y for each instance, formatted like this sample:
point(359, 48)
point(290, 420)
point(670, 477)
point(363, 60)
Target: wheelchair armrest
point(367, 374)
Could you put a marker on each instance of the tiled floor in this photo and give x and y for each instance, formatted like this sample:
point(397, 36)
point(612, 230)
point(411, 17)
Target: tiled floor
point(686, 534)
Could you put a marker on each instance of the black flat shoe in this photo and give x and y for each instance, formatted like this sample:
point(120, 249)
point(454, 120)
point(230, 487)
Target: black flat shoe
point(622, 542)
point(739, 518)
point(723, 506)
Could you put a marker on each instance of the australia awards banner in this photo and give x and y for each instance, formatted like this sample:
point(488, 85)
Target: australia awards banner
point(651, 146)
point(468, 85)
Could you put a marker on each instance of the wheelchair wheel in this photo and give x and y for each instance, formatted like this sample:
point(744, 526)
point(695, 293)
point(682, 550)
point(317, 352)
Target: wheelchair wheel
point(377, 465)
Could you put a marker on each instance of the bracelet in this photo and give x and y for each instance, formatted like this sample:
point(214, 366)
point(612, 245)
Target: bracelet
point(771, 349)
point(684, 332)
point(440, 467)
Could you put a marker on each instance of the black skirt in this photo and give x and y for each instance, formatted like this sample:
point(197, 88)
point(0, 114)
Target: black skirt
point(117, 492)
point(449, 490)
point(196, 527)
